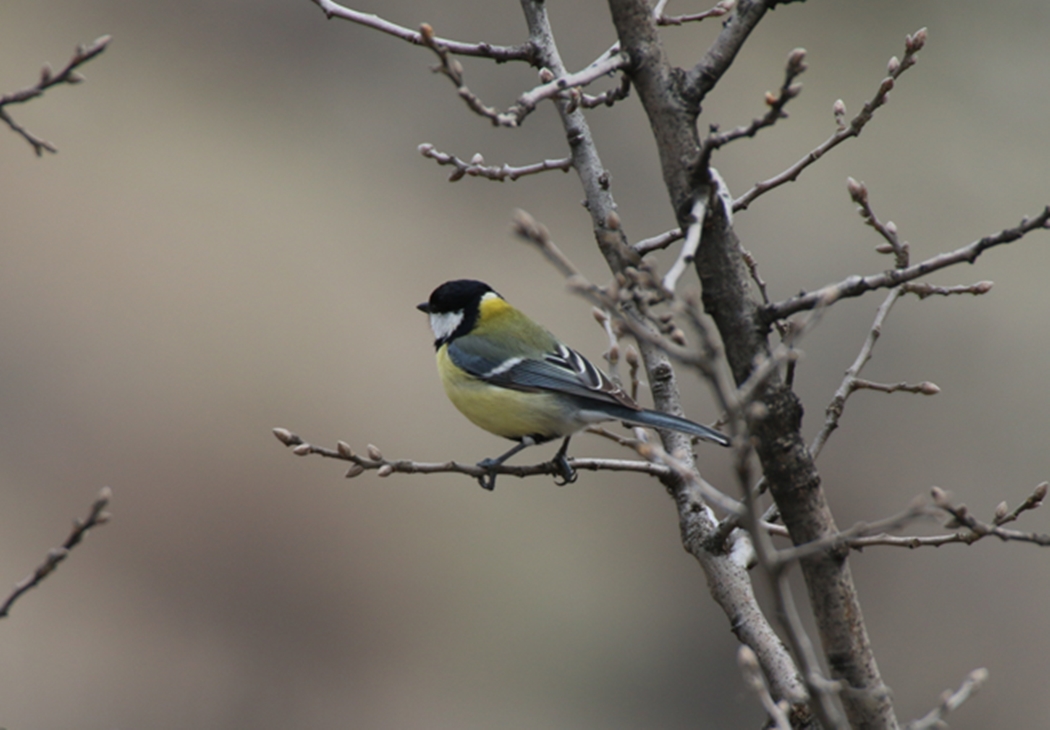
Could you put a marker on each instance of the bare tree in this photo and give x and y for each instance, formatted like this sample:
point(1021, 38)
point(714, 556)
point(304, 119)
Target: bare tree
point(740, 341)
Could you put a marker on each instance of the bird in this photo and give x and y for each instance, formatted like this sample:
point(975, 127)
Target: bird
point(513, 378)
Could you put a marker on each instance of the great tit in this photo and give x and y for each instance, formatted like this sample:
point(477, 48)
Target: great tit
point(513, 378)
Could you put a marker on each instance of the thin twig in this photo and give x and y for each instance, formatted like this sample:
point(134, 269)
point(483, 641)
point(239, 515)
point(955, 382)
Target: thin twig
point(659, 242)
point(554, 86)
point(1034, 501)
point(859, 193)
point(922, 290)
point(477, 167)
point(950, 701)
point(97, 516)
point(838, 403)
point(690, 247)
point(912, 45)
point(500, 54)
point(717, 11)
point(787, 556)
point(923, 388)
point(550, 87)
point(532, 231)
point(67, 75)
point(607, 98)
point(748, 663)
point(854, 286)
point(796, 66)
point(972, 528)
point(655, 454)
point(375, 461)
point(962, 517)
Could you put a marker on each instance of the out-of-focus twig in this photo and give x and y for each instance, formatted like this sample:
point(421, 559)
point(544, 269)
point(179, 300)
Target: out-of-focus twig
point(97, 516)
point(49, 78)
point(950, 701)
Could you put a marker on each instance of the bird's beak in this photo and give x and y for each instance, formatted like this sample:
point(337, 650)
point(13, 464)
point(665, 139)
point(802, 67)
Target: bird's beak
point(424, 307)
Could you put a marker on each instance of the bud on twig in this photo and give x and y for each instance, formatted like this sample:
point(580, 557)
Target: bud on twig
point(344, 449)
point(374, 453)
point(1040, 492)
point(1001, 510)
point(915, 42)
point(285, 436)
point(940, 497)
point(857, 191)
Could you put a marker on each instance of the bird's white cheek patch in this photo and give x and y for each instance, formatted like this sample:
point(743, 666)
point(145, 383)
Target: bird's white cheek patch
point(444, 324)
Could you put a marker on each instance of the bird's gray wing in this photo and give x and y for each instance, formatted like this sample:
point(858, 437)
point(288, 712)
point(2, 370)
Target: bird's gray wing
point(562, 370)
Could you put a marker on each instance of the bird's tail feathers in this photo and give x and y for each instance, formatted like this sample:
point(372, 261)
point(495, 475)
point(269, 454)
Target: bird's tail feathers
point(656, 419)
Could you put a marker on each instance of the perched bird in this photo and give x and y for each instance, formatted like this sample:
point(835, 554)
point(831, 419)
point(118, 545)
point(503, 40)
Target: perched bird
point(513, 378)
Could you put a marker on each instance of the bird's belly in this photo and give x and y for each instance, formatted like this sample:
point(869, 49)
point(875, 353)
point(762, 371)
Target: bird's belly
point(509, 413)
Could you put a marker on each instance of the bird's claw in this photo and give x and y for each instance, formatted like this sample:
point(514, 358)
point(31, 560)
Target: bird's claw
point(565, 471)
point(488, 479)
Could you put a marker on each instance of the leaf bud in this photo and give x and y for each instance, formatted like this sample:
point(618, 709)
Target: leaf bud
point(1001, 510)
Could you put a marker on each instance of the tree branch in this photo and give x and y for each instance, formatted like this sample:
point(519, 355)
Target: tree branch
point(912, 45)
point(717, 11)
point(950, 701)
point(97, 516)
point(477, 167)
point(796, 66)
point(385, 467)
point(67, 75)
point(854, 286)
point(500, 54)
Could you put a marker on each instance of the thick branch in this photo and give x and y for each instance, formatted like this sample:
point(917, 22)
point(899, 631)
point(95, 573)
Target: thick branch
point(728, 579)
point(787, 465)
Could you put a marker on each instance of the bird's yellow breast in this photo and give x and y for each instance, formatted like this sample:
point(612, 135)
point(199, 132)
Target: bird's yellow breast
point(502, 411)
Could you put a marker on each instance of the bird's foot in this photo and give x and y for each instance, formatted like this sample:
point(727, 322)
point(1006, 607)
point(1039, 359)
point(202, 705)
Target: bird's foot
point(488, 480)
point(565, 471)
point(561, 463)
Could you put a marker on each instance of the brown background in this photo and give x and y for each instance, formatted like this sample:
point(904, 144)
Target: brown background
point(233, 237)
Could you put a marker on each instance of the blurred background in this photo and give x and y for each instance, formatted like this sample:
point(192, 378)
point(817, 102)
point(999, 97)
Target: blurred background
point(233, 237)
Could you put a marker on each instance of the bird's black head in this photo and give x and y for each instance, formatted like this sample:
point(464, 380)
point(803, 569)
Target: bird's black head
point(460, 295)
point(453, 308)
